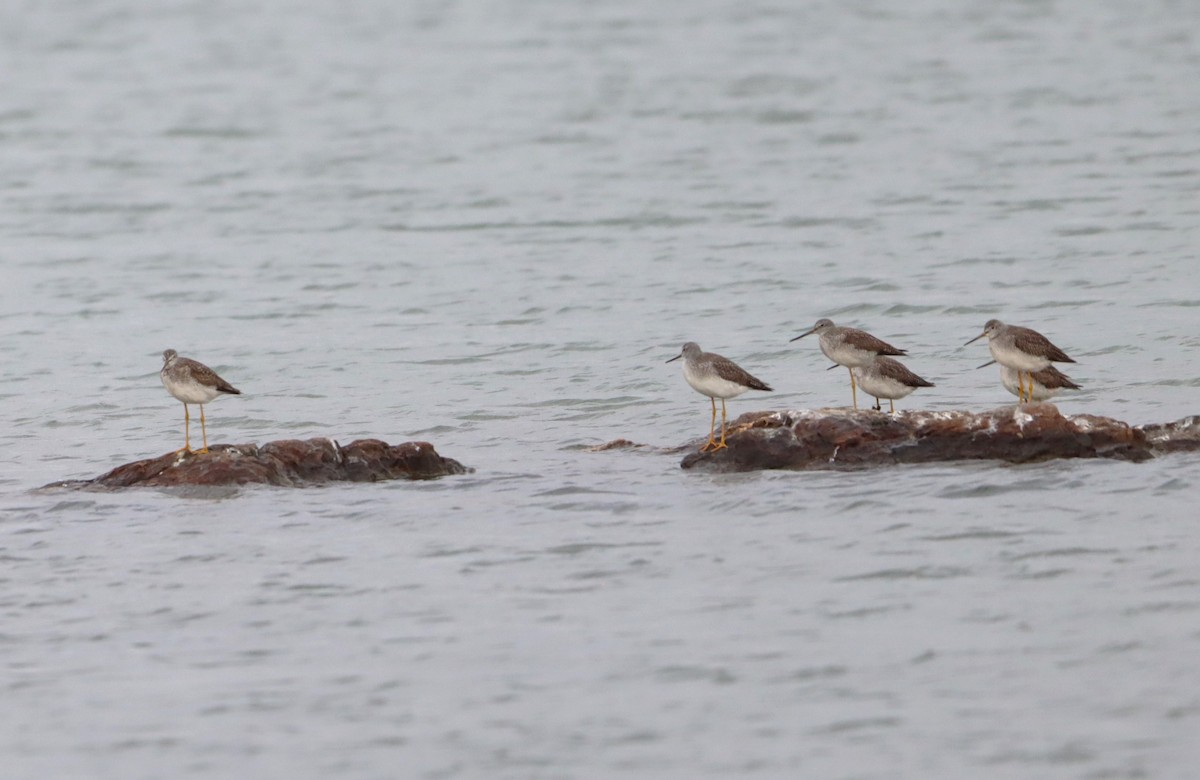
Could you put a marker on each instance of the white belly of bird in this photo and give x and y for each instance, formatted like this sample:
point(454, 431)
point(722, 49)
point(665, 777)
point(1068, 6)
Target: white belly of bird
point(190, 392)
point(1014, 358)
point(845, 354)
point(712, 385)
point(881, 386)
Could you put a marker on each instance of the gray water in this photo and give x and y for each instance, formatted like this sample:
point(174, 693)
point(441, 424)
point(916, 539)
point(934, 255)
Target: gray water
point(487, 225)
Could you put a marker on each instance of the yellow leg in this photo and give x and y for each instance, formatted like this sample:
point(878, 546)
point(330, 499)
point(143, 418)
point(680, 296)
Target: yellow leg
point(712, 426)
point(853, 390)
point(892, 405)
point(722, 445)
point(203, 431)
point(187, 442)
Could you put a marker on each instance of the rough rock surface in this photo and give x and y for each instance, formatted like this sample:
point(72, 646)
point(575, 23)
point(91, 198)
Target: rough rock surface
point(291, 462)
point(836, 438)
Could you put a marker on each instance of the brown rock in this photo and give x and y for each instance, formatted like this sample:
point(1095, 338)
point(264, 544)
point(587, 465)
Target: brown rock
point(1177, 436)
point(835, 438)
point(615, 444)
point(291, 462)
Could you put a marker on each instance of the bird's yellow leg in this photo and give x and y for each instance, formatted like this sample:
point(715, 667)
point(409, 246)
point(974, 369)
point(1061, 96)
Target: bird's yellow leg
point(203, 431)
point(187, 443)
point(712, 426)
point(892, 405)
point(853, 390)
point(721, 445)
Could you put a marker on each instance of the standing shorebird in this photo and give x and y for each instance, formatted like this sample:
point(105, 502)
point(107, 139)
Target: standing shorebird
point(850, 347)
point(887, 378)
point(192, 383)
point(716, 377)
point(1046, 383)
point(1021, 349)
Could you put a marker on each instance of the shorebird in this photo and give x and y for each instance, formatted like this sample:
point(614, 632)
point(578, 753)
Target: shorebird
point(192, 382)
point(1021, 349)
point(1047, 383)
point(887, 378)
point(849, 347)
point(716, 377)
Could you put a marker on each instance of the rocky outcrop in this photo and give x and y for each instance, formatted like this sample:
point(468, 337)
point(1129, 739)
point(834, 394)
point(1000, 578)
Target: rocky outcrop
point(1179, 436)
point(291, 463)
point(836, 438)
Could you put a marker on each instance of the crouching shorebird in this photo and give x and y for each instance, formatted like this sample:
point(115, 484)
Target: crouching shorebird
point(716, 377)
point(1022, 349)
point(849, 347)
point(887, 378)
point(192, 382)
point(1045, 384)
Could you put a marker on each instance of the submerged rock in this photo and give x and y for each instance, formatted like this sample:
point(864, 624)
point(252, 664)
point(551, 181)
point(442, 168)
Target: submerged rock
point(835, 438)
point(291, 463)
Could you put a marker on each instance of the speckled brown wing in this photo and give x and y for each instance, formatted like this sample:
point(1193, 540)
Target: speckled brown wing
point(1053, 379)
point(730, 371)
point(896, 370)
point(1033, 343)
point(206, 376)
point(864, 340)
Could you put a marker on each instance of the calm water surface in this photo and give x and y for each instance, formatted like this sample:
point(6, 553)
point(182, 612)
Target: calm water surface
point(487, 225)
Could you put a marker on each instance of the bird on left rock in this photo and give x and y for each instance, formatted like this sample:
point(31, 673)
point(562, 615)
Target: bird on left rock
point(192, 382)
